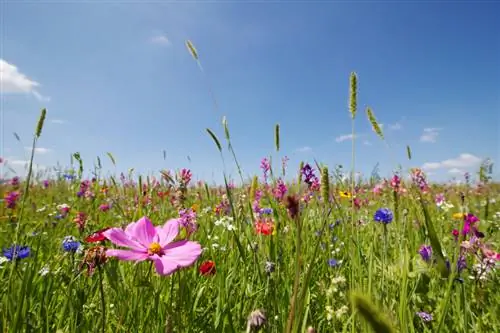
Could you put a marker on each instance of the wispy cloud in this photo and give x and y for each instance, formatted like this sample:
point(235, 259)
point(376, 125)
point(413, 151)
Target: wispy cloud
point(395, 127)
point(430, 135)
point(15, 82)
point(345, 137)
point(39, 150)
point(16, 163)
point(305, 149)
point(455, 165)
point(57, 121)
point(367, 143)
point(160, 39)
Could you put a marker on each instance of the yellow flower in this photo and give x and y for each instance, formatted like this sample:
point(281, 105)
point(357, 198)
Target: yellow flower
point(195, 207)
point(345, 194)
point(459, 216)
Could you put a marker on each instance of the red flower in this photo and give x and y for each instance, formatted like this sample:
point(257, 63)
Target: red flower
point(207, 268)
point(96, 236)
point(264, 227)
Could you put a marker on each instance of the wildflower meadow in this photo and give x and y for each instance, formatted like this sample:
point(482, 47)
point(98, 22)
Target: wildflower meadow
point(295, 248)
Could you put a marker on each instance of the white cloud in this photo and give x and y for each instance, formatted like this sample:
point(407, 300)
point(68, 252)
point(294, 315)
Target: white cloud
point(430, 135)
point(14, 82)
point(431, 166)
point(345, 137)
point(395, 127)
point(39, 150)
point(456, 170)
point(57, 121)
point(455, 165)
point(23, 163)
point(305, 149)
point(463, 161)
point(160, 39)
point(367, 143)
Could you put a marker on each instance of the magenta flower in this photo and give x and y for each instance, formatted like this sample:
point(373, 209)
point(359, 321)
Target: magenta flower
point(148, 242)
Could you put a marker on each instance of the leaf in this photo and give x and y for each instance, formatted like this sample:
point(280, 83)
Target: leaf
point(371, 314)
point(408, 152)
point(217, 143)
point(192, 50)
point(277, 137)
point(375, 126)
point(436, 246)
point(226, 127)
point(111, 158)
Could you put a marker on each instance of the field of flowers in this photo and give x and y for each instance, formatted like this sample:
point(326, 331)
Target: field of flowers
point(319, 253)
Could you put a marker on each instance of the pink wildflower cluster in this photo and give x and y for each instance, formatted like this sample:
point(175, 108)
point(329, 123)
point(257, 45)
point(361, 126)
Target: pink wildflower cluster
point(280, 190)
point(85, 190)
point(265, 165)
point(11, 199)
point(187, 220)
point(419, 179)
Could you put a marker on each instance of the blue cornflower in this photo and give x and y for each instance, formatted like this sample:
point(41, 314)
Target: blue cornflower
point(16, 252)
point(424, 316)
point(69, 176)
point(70, 244)
point(383, 215)
point(268, 211)
point(333, 262)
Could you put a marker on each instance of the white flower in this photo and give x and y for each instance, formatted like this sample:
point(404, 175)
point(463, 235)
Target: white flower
point(44, 271)
point(342, 311)
point(61, 206)
point(329, 312)
point(3, 259)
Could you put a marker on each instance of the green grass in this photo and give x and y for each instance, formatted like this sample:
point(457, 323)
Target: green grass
point(379, 279)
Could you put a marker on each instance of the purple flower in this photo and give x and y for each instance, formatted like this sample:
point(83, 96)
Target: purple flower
point(333, 262)
point(309, 177)
point(11, 199)
point(188, 220)
point(426, 317)
point(280, 190)
point(425, 252)
point(104, 207)
point(14, 181)
point(461, 263)
point(265, 165)
point(439, 199)
point(383, 215)
point(46, 183)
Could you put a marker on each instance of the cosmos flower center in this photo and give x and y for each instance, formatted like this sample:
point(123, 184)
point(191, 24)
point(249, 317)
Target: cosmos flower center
point(154, 248)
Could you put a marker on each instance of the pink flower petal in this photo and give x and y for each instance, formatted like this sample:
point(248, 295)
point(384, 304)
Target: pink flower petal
point(143, 230)
point(164, 267)
point(168, 232)
point(120, 238)
point(183, 253)
point(127, 255)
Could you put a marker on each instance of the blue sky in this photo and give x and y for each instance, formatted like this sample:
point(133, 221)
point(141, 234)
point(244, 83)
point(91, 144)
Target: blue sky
point(116, 76)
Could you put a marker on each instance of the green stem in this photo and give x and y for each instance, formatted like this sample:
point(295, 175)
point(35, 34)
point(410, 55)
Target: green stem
point(103, 301)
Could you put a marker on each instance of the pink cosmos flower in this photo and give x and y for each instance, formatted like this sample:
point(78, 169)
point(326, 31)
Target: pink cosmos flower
point(148, 242)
